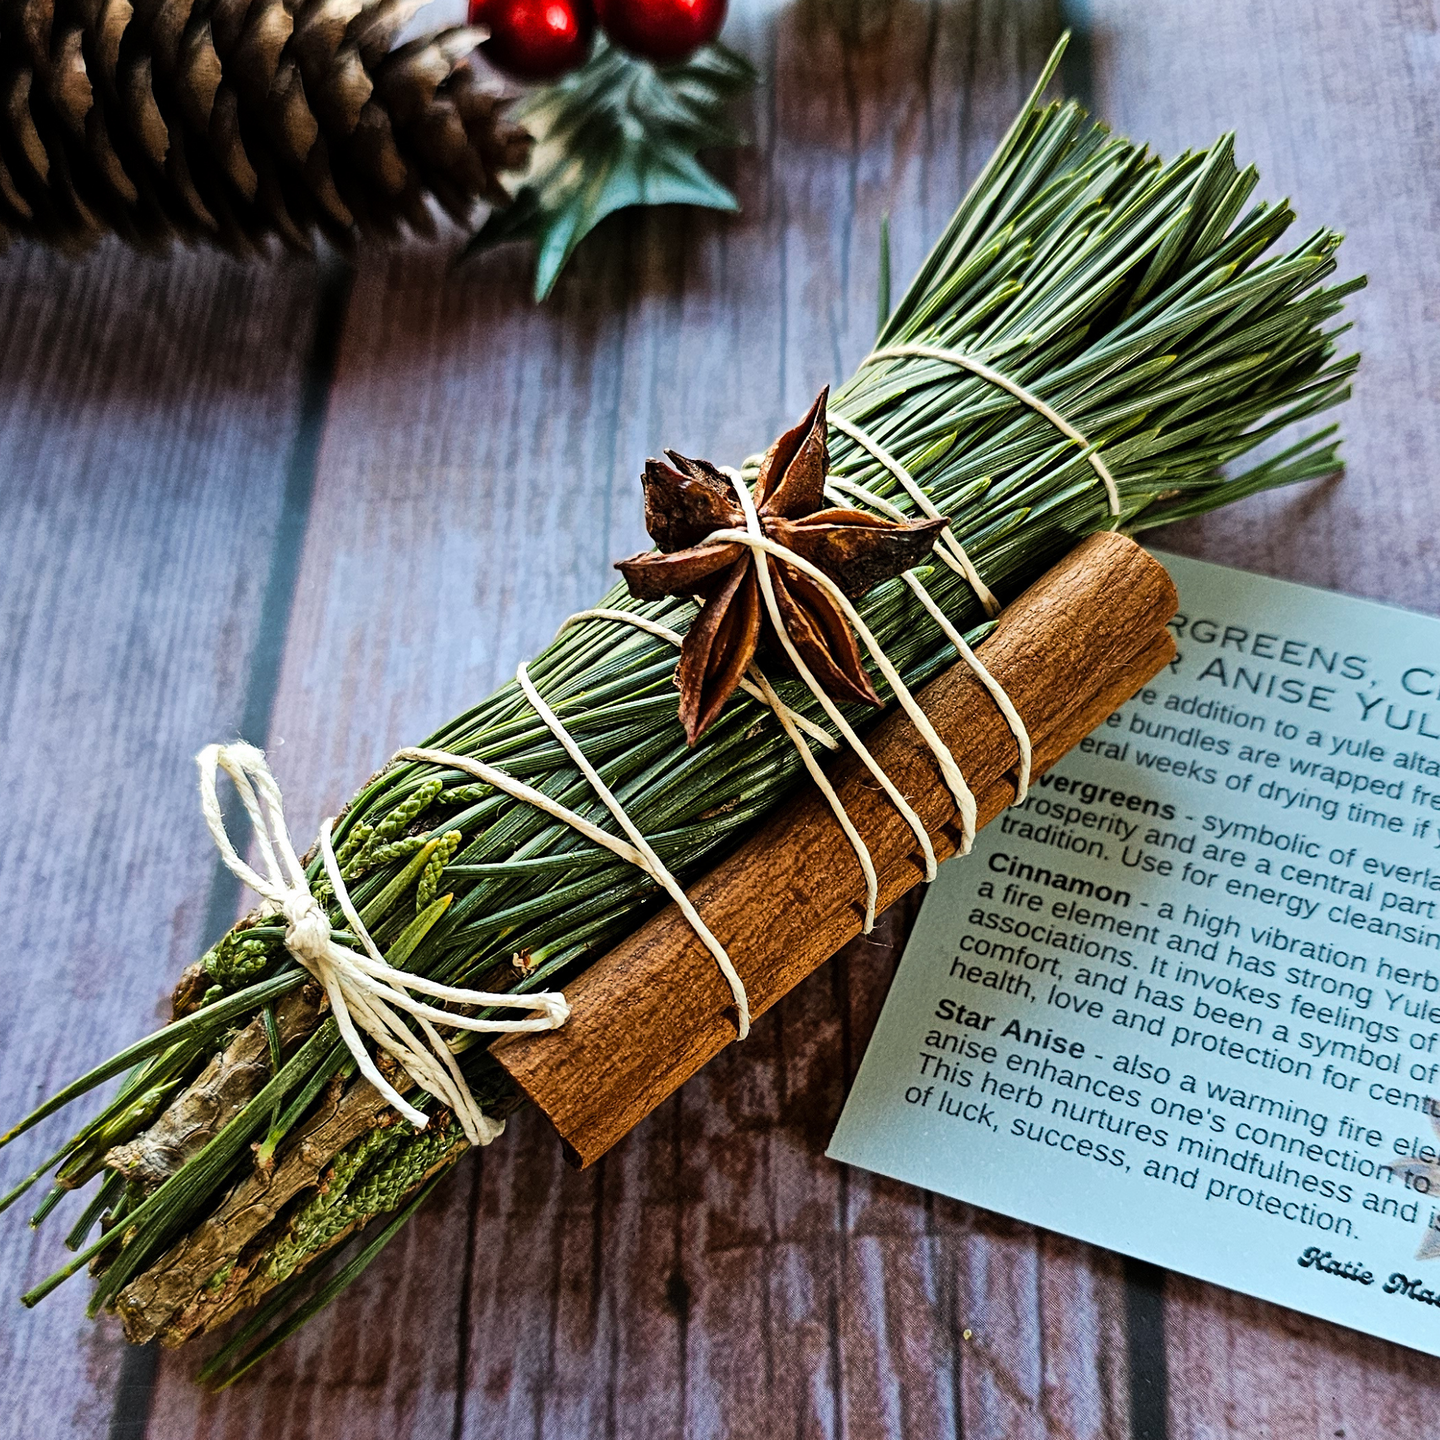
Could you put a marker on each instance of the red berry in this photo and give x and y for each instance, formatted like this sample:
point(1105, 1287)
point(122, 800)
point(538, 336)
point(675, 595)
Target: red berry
point(535, 39)
point(661, 30)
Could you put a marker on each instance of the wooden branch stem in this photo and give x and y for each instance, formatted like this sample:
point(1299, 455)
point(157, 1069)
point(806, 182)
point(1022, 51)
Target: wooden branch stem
point(1080, 642)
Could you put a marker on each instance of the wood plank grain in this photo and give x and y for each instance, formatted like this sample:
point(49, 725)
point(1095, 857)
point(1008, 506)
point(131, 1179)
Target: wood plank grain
point(715, 1274)
point(147, 410)
point(1353, 145)
point(1335, 103)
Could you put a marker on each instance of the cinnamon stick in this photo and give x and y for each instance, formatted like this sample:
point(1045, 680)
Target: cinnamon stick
point(643, 1019)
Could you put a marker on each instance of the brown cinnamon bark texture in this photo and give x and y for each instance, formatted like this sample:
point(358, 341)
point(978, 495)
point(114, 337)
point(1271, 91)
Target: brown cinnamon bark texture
point(1076, 645)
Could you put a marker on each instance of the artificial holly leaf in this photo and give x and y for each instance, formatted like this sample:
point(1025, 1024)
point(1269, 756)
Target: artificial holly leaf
point(618, 132)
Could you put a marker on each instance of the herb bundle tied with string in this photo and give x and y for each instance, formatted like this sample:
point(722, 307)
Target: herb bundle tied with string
point(241, 1160)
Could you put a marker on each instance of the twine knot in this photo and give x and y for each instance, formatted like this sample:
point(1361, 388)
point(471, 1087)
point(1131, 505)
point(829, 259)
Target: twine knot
point(308, 926)
point(362, 987)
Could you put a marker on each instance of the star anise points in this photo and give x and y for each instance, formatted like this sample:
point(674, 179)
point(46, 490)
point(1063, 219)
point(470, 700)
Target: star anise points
point(687, 501)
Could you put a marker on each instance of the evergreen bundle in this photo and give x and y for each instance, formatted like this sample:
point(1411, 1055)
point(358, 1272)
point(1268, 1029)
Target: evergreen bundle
point(1147, 302)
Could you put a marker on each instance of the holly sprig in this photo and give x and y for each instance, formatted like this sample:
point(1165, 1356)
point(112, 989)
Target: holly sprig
point(618, 132)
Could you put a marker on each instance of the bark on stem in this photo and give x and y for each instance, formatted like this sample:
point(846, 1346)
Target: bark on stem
point(230, 1081)
point(183, 1281)
point(648, 1015)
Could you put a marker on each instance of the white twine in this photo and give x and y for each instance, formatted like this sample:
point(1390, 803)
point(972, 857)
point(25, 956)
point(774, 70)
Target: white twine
point(757, 540)
point(838, 489)
point(793, 723)
point(361, 986)
point(639, 853)
point(753, 683)
point(651, 863)
point(951, 552)
point(754, 537)
point(962, 361)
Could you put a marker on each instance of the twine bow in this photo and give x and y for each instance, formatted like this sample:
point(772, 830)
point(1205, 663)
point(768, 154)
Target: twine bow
point(360, 985)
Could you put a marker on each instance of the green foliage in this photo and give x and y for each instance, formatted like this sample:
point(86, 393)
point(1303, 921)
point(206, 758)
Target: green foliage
point(429, 885)
point(237, 960)
point(372, 1177)
point(619, 132)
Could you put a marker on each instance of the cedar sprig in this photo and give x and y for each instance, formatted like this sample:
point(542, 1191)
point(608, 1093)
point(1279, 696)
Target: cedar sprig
point(1149, 302)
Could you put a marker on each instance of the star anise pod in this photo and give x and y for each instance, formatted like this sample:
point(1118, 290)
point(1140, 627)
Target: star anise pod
point(688, 501)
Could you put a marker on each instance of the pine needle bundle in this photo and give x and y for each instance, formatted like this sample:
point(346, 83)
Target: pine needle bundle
point(1149, 303)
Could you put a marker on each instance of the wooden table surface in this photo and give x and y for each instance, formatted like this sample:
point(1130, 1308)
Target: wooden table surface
point(325, 509)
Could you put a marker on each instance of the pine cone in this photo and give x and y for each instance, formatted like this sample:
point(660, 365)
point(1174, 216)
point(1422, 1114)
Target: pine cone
point(235, 120)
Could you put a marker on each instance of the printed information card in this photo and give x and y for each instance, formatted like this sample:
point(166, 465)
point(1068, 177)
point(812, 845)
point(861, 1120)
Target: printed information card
point(1185, 1001)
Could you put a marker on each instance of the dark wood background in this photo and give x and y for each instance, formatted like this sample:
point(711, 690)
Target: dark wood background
point(326, 509)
